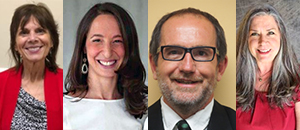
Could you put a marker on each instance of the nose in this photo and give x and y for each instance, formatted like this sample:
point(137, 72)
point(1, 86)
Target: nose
point(32, 38)
point(187, 65)
point(107, 52)
point(262, 39)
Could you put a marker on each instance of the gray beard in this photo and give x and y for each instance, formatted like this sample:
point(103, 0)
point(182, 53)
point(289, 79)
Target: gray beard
point(187, 105)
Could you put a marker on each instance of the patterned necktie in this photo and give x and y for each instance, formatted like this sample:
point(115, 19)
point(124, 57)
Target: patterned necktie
point(183, 125)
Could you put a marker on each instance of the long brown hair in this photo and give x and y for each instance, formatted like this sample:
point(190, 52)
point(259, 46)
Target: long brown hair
point(131, 74)
point(44, 17)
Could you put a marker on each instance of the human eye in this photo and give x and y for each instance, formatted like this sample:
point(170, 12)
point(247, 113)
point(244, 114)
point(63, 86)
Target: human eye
point(23, 32)
point(173, 51)
point(118, 41)
point(254, 34)
point(202, 52)
point(40, 31)
point(97, 40)
point(271, 33)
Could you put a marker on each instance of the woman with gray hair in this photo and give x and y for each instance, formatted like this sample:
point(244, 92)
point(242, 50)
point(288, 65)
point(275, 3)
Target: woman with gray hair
point(267, 73)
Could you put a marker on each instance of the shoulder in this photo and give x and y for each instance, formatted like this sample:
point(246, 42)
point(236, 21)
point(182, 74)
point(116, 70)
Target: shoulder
point(225, 110)
point(223, 116)
point(7, 72)
point(156, 107)
point(58, 74)
point(155, 116)
point(59, 71)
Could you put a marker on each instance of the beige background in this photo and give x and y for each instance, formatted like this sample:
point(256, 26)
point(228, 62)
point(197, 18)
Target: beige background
point(224, 11)
point(7, 8)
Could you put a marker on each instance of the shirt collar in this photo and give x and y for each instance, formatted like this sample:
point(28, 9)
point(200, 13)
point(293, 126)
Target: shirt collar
point(197, 121)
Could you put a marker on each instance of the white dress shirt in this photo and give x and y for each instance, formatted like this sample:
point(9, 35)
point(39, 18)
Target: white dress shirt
point(198, 121)
point(96, 114)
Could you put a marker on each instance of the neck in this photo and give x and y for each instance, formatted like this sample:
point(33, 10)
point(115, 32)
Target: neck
point(263, 74)
point(33, 71)
point(102, 88)
point(186, 111)
point(264, 67)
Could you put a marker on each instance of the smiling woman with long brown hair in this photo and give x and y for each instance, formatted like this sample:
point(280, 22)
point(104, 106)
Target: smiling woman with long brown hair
point(30, 92)
point(105, 81)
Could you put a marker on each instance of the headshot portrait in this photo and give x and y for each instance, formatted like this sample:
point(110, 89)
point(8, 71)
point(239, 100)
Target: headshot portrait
point(191, 56)
point(106, 75)
point(267, 69)
point(31, 65)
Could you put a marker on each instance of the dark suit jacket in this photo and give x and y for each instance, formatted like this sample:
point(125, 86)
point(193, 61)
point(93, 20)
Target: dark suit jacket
point(222, 117)
point(10, 83)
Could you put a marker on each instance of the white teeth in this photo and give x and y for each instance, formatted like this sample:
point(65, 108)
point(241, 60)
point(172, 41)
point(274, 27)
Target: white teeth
point(107, 63)
point(34, 49)
point(264, 50)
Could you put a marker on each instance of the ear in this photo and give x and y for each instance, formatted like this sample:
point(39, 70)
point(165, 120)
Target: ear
point(153, 66)
point(221, 68)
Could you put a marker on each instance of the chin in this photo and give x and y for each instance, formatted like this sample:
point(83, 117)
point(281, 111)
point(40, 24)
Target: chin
point(35, 59)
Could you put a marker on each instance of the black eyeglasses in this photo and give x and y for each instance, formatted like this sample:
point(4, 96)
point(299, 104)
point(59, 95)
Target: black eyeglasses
point(177, 53)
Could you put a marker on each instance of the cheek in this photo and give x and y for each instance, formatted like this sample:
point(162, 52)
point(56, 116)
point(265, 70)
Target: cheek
point(120, 50)
point(207, 70)
point(20, 42)
point(166, 67)
point(252, 44)
point(91, 50)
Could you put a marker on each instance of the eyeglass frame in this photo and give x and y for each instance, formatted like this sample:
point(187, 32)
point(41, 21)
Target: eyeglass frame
point(188, 50)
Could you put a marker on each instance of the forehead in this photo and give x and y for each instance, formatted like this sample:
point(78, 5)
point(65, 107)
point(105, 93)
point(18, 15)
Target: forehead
point(25, 21)
point(188, 30)
point(266, 21)
point(104, 21)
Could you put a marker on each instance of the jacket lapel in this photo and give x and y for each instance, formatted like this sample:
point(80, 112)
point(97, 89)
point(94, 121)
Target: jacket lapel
point(53, 98)
point(219, 119)
point(155, 117)
point(11, 90)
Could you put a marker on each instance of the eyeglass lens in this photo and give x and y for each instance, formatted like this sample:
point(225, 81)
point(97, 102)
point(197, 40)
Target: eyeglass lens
point(199, 53)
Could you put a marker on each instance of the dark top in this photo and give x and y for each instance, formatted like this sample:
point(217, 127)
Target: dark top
point(30, 113)
point(222, 117)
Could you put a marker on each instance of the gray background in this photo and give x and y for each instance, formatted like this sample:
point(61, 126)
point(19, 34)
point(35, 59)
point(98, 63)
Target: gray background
point(74, 10)
point(289, 10)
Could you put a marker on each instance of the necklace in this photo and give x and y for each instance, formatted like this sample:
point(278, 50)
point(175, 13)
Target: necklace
point(260, 77)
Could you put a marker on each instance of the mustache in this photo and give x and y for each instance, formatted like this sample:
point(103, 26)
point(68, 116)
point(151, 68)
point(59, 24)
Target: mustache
point(187, 77)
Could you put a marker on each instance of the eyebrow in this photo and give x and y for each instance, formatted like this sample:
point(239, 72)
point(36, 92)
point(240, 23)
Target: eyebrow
point(267, 29)
point(96, 35)
point(100, 35)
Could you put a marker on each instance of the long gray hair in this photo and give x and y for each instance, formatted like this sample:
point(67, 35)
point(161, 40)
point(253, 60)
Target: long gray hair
point(284, 80)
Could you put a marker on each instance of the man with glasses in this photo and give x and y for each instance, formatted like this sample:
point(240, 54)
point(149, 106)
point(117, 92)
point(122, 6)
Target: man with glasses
point(188, 57)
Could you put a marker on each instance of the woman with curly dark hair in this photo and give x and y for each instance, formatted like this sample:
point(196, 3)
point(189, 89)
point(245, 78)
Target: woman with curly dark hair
point(105, 81)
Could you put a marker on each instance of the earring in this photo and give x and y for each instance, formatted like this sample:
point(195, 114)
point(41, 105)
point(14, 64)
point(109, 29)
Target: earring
point(84, 68)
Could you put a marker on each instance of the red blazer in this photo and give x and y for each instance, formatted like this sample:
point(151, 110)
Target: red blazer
point(10, 83)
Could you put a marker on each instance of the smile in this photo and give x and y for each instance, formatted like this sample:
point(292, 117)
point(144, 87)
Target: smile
point(108, 63)
point(263, 51)
point(182, 81)
point(34, 49)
